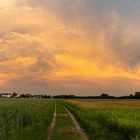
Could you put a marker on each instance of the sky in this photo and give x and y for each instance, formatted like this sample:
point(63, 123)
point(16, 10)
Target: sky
point(81, 47)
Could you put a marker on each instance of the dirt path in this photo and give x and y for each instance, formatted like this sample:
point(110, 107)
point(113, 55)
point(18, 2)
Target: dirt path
point(78, 127)
point(52, 125)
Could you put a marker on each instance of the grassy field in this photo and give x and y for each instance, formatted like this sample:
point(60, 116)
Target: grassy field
point(108, 119)
point(25, 119)
point(64, 128)
point(30, 119)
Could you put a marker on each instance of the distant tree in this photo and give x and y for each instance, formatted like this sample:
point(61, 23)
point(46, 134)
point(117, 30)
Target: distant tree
point(46, 96)
point(104, 95)
point(131, 96)
point(25, 96)
point(65, 96)
point(14, 94)
point(137, 95)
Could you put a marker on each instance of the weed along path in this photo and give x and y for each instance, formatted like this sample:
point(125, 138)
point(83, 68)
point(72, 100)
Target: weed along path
point(50, 132)
point(64, 126)
point(78, 127)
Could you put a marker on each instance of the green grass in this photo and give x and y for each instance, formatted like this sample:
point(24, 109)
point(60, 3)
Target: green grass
point(107, 123)
point(25, 119)
point(64, 128)
point(29, 119)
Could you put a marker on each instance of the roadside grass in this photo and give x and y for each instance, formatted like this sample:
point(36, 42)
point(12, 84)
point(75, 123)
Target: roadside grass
point(107, 123)
point(25, 119)
point(64, 128)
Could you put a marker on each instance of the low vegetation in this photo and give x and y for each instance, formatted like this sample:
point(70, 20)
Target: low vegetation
point(25, 119)
point(64, 127)
point(30, 119)
point(108, 120)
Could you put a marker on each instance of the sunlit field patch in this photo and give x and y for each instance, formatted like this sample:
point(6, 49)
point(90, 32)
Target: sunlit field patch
point(108, 119)
point(106, 103)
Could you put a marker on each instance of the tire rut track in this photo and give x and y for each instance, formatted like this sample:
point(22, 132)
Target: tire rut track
point(51, 128)
point(77, 125)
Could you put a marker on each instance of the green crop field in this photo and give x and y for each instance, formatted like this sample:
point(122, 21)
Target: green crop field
point(108, 119)
point(31, 119)
point(25, 119)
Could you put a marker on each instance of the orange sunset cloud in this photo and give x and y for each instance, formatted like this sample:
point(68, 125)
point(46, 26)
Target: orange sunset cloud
point(55, 46)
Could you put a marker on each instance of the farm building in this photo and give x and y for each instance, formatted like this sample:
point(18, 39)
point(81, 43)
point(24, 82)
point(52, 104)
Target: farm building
point(6, 95)
point(9, 95)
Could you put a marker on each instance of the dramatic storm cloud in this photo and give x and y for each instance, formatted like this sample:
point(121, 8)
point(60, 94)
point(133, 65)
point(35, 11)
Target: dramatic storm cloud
point(82, 47)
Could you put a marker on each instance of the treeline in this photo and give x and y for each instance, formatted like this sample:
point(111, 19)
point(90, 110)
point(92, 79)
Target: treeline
point(102, 96)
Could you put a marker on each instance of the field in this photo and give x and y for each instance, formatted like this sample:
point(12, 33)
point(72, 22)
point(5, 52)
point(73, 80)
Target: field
point(49, 119)
point(25, 119)
point(64, 127)
point(108, 119)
